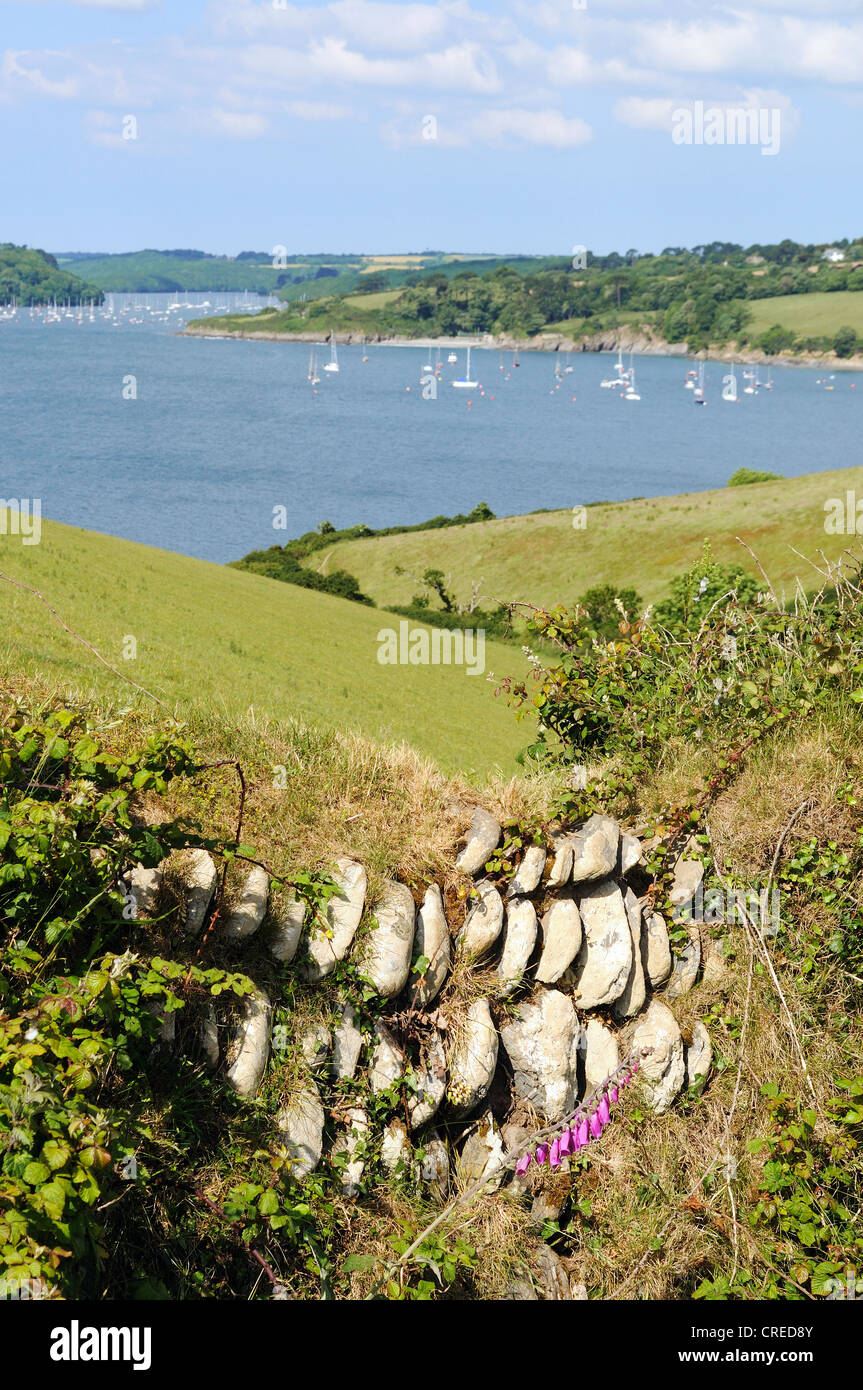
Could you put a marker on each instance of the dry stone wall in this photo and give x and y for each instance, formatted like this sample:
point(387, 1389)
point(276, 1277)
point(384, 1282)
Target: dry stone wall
point(581, 973)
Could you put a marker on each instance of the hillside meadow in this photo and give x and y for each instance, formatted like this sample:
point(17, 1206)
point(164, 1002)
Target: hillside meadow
point(543, 558)
point(214, 641)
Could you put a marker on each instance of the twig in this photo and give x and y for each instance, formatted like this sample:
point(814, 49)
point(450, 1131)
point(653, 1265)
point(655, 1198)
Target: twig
point(748, 547)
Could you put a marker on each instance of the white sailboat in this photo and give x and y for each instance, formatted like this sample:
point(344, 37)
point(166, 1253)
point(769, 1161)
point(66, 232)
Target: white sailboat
point(699, 389)
point(630, 393)
point(333, 364)
point(467, 381)
point(452, 358)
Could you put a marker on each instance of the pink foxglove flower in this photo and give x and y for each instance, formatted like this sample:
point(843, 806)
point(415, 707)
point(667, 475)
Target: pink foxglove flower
point(613, 1095)
point(567, 1142)
point(523, 1164)
point(582, 1138)
point(541, 1153)
point(554, 1154)
point(595, 1125)
point(603, 1110)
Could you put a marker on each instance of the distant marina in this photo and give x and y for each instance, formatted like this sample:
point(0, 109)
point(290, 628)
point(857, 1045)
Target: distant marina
point(120, 424)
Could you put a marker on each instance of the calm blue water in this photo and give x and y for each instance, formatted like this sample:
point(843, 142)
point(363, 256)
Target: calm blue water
point(222, 432)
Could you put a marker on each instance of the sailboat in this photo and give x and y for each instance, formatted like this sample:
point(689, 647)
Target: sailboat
point(630, 393)
point(699, 389)
point(515, 361)
point(333, 364)
point(689, 383)
point(729, 386)
point(313, 369)
point(453, 357)
point(467, 381)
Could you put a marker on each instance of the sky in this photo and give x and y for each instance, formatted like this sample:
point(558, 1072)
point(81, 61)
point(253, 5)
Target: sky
point(364, 126)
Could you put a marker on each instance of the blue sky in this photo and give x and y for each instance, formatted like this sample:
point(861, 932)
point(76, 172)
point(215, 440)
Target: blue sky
point(261, 123)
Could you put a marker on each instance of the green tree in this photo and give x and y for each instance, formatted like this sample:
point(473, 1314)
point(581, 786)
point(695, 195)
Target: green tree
point(845, 342)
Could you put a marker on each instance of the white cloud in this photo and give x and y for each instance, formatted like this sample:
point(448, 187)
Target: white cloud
point(237, 125)
point(319, 111)
point(645, 113)
point(464, 67)
point(401, 28)
point(34, 79)
point(531, 127)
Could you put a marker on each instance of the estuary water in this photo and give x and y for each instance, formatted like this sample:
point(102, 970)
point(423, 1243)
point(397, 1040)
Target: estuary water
point(119, 424)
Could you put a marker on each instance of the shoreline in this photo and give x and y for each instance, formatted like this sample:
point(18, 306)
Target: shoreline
point(641, 342)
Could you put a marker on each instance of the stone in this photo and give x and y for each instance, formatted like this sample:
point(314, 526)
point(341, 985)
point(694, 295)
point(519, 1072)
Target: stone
point(661, 1074)
point(687, 877)
point(715, 960)
point(521, 1291)
point(315, 1045)
point(248, 914)
point(685, 968)
point(429, 1083)
point(601, 1053)
point(347, 1044)
point(542, 1046)
point(434, 1168)
point(344, 910)
point(655, 949)
point(396, 1148)
point(528, 873)
point(577, 1291)
point(602, 968)
point(388, 1061)
point(561, 869)
point(482, 839)
point(384, 956)
point(251, 1045)
point(284, 938)
point(472, 1059)
point(432, 940)
point(353, 1143)
point(519, 939)
point(629, 854)
point(561, 937)
point(631, 1001)
point(514, 1137)
point(552, 1195)
point(201, 878)
point(595, 848)
point(698, 1056)
point(482, 1155)
point(301, 1125)
point(142, 886)
point(552, 1274)
point(209, 1038)
point(483, 923)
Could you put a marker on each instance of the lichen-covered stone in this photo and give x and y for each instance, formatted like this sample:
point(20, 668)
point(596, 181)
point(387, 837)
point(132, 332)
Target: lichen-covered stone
point(662, 1072)
point(529, 872)
point(602, 968)
point(251, 1046)
point(301, 1125)
point(542, 1046)
point(431, 942)
point(248, 914)
point(656, 950)
point(384, 956)
point(344, 909)
point(631, 1001)
point(483, 923)
point(595, 848)
point(519, 939)
point(561, 937)
point(482, 839)
point(287, 929)
point(201, 878)
point(472, 1059)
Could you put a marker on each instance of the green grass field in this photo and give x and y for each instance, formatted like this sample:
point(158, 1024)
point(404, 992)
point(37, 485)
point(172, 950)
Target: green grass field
point(212, 639)
point(809, 315)
point(543, 559)
point(372, 301)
